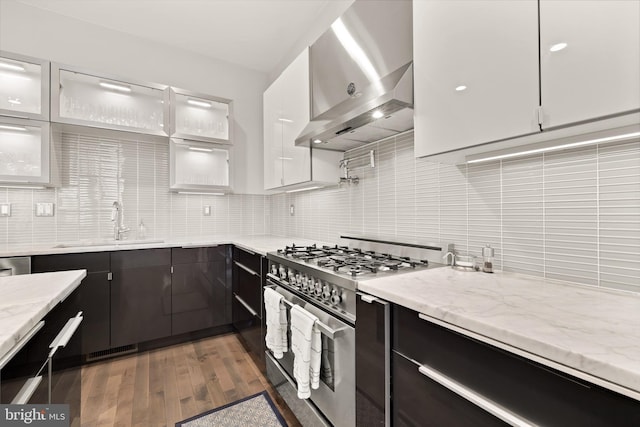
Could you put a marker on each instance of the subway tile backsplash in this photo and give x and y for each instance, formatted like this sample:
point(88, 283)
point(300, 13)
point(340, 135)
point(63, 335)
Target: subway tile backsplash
point(572, 215)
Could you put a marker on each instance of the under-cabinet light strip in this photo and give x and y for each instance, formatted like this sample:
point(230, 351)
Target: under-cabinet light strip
point(201, 193)
point(204, 150)
point(9, 127)
point(114, 86)
point(197, 103)
point(490, 156)
point(11, 66)
point(303, 189)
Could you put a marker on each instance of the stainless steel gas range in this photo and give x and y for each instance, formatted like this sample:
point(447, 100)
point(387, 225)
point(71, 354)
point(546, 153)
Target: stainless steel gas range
point(324, 281)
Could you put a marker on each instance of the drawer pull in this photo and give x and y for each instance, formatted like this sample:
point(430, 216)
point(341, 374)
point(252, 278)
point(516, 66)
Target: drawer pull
point(245, 268)
point(245, 305)
point(27, 391)
point(475, 398)
point(65, 334)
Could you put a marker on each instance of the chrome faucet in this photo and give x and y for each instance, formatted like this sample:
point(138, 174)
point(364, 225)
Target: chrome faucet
point(117, 217)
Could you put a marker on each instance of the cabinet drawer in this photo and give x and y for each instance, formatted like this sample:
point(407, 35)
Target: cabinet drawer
point(140, 258)
point(248, 286)
point(420, 401)
point(91, 261)
point(248, 259)
point(197, 255)
point(534, 392)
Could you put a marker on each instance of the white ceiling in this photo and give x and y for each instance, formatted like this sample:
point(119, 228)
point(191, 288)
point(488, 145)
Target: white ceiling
point(256, 34)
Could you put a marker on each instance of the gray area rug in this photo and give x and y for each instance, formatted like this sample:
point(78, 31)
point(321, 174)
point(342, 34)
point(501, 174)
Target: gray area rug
point(256, 410)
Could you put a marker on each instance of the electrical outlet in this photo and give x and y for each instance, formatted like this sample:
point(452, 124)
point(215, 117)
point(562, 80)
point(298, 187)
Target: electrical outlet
point(292, 210)
point(5, 209)
point(206, 210)
point(44, 209)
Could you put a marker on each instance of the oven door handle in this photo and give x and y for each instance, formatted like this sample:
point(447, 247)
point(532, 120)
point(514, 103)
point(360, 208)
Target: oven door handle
point(324, 329)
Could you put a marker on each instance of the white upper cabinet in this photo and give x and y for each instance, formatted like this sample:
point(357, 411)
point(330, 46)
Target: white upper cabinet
point(475, 72)
point(83, 98)
point(200, 117)
point(273, 150)
point(24, 87)
point(597, 73)
point(198, 166)
point(286, 113)
point(24, 151)
point(295, 116)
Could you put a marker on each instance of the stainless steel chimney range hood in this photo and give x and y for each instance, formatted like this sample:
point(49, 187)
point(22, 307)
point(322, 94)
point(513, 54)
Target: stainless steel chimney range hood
point(362, 77)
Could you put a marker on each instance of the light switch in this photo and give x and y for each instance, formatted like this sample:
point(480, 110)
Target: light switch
point(292, 210)
point(206, 210)
point(44, 209)
point(5, 209)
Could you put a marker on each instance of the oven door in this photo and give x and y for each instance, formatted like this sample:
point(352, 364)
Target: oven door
point(335, 397)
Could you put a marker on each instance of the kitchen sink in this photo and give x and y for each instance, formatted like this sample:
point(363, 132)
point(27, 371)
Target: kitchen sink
point(106, 243)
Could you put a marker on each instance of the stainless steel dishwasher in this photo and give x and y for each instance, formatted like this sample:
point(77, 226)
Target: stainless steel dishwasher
point(15, 265)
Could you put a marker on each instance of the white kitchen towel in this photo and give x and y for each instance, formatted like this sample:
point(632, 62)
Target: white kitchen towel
point(276, 313)
point(306, 346)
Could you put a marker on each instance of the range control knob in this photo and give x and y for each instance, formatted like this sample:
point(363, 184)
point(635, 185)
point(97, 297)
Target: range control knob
point(291, 274)
point(335, 297)
point(317, 289)
point(326, 293)
point(283, 272)
point(274, 269)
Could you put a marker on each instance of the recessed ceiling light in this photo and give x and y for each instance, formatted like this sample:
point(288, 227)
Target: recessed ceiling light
point(115, 86)
point(13, 101)
point(461, 88)
point(203, 104)
point(377, 114)
point(558, 46)
point(317, 141)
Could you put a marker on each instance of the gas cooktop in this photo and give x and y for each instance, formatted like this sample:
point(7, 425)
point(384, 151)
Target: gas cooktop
point(350, 261)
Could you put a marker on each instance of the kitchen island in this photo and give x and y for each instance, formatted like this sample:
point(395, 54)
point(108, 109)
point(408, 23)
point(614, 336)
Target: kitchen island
point(590, 333)
point(26, 299)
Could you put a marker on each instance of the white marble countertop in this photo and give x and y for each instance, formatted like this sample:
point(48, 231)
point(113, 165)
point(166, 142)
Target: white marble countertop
point(26, 299)
point(588, 330)
point(258, 243)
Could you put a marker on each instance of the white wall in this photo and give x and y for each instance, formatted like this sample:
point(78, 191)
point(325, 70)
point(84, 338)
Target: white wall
point(34, 32)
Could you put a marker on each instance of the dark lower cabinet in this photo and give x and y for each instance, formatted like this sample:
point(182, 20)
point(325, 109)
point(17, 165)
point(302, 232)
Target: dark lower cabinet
point(523, 388)
point(249, 273)
point(199, 288)
point(373, 345)
point(91, 297)
point(140, 296)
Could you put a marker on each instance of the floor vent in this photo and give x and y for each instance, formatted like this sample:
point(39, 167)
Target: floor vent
point(117, 351)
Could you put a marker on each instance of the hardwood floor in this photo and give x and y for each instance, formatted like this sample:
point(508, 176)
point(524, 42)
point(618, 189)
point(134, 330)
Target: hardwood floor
point(161, 387)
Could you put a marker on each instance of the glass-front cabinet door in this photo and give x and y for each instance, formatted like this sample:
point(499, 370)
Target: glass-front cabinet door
point(200, 117)
point(24, 87)
point(82, 98)
point(24, 151)
point(199, 166)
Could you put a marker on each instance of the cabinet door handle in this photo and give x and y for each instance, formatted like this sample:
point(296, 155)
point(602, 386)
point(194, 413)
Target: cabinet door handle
point(245, 305)
point(370, 299)
point(245, 268)
point(475, 398)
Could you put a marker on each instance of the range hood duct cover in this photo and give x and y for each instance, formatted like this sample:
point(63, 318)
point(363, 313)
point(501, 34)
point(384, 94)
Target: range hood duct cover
point(362, 64)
